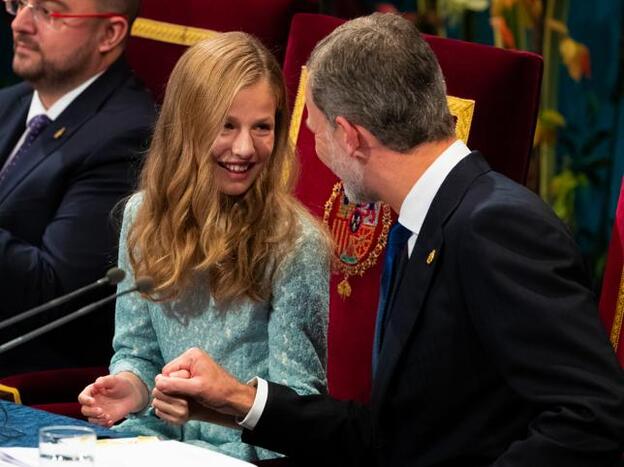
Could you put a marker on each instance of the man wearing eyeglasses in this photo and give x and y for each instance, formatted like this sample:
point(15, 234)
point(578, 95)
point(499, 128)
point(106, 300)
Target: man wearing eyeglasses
point(70, 135)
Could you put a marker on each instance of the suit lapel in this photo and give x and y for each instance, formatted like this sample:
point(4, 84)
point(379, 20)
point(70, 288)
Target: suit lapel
point(66, 125)
point(13, 125)
point(412, 287)
point(409, 295)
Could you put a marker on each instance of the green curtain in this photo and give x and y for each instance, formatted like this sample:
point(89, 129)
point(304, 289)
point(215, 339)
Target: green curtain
point(592, 143)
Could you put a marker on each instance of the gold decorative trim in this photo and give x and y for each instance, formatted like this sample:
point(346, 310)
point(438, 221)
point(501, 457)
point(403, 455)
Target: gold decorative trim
point(463, 110)
point(169, 32)
point(297, 113)
point(10, 393)
point(348, 270)
point(618, 318)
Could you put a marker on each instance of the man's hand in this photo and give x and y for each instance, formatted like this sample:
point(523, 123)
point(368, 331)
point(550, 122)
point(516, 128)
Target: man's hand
point(111, 398)
point(178, 411)
point(207, 385)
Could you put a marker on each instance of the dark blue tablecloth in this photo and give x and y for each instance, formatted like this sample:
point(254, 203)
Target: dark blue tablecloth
point(19, 425)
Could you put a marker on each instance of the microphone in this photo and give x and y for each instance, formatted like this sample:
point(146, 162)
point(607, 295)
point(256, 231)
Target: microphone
point(143, 285)
point(113, 277)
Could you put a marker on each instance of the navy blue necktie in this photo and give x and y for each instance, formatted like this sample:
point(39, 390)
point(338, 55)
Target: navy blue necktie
point(36, 125)
point(397, 240)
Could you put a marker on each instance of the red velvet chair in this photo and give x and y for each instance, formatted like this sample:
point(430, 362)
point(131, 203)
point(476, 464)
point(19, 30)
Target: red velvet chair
point(54, 390)
point(612, 296)
point(496, 112)
point(165, 29)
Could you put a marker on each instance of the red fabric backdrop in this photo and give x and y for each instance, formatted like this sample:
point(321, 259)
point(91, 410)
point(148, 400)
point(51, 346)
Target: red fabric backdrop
point(612, 282)
point(153, 61)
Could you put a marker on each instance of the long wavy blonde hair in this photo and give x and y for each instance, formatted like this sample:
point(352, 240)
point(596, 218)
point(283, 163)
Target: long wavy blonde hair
point(184, 225)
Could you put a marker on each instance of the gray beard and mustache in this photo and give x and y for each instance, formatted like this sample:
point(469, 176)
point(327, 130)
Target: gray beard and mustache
point(350, 173)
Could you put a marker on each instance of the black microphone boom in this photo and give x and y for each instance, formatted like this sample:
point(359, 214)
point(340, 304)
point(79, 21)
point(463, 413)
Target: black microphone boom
point(113, 277)
point(142, 285)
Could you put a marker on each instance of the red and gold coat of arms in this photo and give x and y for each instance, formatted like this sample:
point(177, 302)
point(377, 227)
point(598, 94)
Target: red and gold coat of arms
point(360, 232)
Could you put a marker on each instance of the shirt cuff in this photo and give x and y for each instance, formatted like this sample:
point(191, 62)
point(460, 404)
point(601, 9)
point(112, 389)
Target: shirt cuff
point(262, 394)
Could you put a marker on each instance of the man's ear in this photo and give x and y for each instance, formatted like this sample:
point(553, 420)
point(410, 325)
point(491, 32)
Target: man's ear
point(115, 33)
point(351, 136)
point(357, 139)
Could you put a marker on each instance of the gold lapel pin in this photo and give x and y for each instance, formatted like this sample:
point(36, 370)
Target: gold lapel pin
point(431, 256)
point(59, 133)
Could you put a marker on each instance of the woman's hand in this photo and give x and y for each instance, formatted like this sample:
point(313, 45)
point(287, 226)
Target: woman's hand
point(174, 410)
point(111, 398)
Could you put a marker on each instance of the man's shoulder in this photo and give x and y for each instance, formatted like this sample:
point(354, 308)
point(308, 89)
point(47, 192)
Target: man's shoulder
point(126, 111)
point(131, 96)
point(494, 200)
point(472, 187)
point(473, 183)
point(476, 193)
point(494, 188)
point(11, 94)
point(130, 100)
point(116, 100)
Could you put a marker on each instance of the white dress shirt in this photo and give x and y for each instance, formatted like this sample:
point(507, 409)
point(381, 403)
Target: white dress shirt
point(37, 108)
point(411, 215)
point(418, 201)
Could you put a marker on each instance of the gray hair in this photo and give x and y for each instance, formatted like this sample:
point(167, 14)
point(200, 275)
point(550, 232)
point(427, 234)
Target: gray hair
point(378, 72)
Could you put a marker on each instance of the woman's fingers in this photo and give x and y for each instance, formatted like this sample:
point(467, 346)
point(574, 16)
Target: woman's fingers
point(170, 409)
point(93, 412)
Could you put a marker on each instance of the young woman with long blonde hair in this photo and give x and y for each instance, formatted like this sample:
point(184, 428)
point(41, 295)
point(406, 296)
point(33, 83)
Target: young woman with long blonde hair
point(240, 268)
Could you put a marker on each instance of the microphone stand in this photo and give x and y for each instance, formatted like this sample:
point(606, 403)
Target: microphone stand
point(113, 276)
point(141, 285)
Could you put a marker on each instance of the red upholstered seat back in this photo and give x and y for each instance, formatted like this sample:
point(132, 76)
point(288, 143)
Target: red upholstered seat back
point(505, 87)
point(154, 60)
point(612, 296)
point(55, 391)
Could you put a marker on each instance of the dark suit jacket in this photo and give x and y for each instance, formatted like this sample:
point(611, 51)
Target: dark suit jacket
point(493, 353)
point(56, 232)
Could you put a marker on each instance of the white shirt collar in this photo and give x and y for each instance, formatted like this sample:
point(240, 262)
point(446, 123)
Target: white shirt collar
point(418, 200)
point(37, 108)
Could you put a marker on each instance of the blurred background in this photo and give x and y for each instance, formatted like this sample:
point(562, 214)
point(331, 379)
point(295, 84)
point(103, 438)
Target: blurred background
point(578, 157)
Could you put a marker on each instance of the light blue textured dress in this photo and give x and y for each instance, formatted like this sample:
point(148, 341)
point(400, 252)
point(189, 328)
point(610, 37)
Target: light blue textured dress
point(283, 340)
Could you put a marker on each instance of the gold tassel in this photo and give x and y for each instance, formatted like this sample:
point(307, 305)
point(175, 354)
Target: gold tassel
point(344, 288)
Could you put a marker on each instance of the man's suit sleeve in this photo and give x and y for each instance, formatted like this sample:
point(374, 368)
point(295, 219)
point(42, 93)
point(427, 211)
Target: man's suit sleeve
point(529, 300)
point(80, 236)
point(314, 429)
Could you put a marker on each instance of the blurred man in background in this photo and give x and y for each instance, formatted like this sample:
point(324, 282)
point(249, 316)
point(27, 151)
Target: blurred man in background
point(70, 138)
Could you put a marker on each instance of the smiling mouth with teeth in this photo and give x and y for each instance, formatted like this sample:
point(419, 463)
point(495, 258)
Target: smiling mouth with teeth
point(236, 168)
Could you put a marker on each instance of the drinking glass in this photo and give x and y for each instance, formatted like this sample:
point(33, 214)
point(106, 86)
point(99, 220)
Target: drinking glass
point(66, 445)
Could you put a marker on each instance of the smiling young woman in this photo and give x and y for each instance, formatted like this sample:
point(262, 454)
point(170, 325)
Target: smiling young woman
point(241, 269)
point(242, 148)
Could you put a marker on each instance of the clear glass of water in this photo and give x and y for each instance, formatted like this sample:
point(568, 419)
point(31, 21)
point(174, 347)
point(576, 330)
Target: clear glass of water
point(66, 445)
